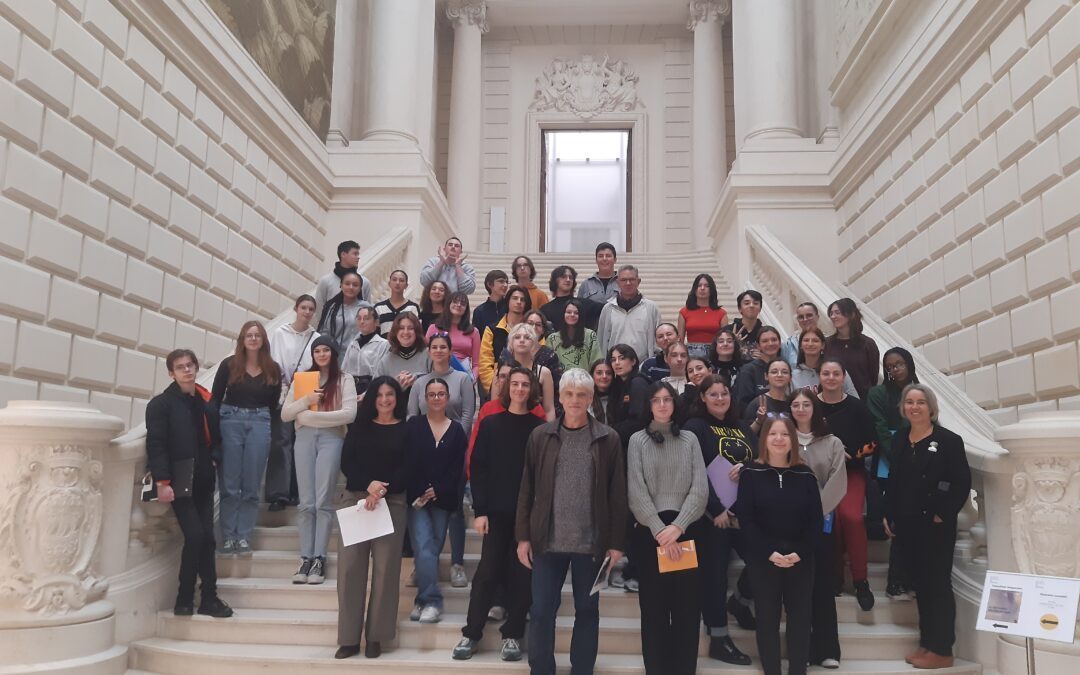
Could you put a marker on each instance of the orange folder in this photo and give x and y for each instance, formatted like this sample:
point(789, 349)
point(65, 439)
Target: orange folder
point(304, 383)
point(687, 561)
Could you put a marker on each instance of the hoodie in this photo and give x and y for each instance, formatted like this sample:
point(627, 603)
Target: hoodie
point(291, 350)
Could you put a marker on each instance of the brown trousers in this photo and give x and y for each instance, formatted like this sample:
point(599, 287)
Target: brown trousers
point(384, 556)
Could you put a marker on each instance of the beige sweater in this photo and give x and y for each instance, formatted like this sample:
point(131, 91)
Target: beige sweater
point(825, 456)
point(335, 420)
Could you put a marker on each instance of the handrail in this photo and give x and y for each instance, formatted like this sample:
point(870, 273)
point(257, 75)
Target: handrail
point(785, 281)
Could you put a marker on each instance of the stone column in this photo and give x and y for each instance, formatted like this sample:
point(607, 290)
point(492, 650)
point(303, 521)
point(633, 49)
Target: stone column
point(393, 70)
point(469, 18)
point(56, 508)
point(344, 77)
point(709, 139)
point(770, 32)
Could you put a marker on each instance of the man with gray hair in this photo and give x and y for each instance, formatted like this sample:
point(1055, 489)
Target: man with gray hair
point(628, 318)
point(571, 514)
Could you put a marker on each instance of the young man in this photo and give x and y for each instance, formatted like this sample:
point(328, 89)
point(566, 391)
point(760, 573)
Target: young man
point(348, 253)
point(495, 337)
point(571, 513)
point(487, 313)
point(747, 327)
point(655, 368)
point(601, 286)
point(806, 315)
point(629, 318)
point(388, 309)
point(562, 284)
point(449, 267)
point(178, 442)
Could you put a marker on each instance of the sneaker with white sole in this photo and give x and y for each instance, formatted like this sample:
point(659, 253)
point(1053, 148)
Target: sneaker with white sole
point(430, 614)
point(317, 574)
point(831, 664)
point(243, 547)
point(465, 648)
point(228, 548)
point(301, 576)
point(496, 614)
point(511, 650)
point(414, 615)
point(457, 576)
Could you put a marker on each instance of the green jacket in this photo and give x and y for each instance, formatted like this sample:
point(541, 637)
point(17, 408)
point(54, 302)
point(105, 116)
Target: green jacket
point(883, 402)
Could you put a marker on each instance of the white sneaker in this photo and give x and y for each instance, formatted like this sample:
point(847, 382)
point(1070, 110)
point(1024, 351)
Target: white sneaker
point(457, 576)
point(831, 664)
point(430, 614)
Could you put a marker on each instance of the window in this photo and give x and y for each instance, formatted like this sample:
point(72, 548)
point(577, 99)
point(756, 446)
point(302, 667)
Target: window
point(585, 190)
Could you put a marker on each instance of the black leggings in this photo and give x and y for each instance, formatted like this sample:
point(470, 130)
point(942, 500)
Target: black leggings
point(195, 515)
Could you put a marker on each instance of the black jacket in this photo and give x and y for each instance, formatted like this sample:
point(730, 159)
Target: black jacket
point(930, 478)
point(779, 510)
point(439, 466)
point(749, 382)
point(172, 434)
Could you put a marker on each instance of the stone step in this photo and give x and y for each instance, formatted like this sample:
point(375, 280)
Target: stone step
point(178, 657)
point(618, 635)
point(255, 593)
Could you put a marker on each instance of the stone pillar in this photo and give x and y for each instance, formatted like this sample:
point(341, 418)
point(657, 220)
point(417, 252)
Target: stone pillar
point(56, 507)
point(344, 78)
point(393, 70)
point(469, 18)
point(770, 32)
point(709, 138)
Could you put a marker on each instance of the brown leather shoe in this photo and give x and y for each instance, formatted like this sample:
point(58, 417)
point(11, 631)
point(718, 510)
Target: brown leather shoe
point(930, 660)
point(915, 654)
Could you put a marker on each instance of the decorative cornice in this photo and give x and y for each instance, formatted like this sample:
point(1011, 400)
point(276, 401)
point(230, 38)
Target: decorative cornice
point(586, 87)
point(468, 13)
point(702, 11)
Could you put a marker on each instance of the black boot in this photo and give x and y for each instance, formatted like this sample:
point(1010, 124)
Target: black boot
point(184, 607)
point(723, 649)
point(372, 650)
point(215, 607)
point(742, 614)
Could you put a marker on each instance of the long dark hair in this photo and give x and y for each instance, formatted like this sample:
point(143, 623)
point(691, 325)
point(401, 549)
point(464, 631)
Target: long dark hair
point(698, 407)
point(367, 413)
point(818, 425)
point(801, 361)
point(271, 372)
point(691, 298)
point(655, 387)
point(597, 405)
point(336, 305)
point(620, 388)
point(577, 339)
point(418, 328)
point(736, 357)
point(332, 387)
point(535, 392)
point(445, 320)
point(425, 297)
point(847, 307)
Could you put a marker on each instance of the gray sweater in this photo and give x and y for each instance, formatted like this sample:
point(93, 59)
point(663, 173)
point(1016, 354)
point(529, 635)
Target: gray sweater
point(668, 476)
point(462, 402)
point(391, 364)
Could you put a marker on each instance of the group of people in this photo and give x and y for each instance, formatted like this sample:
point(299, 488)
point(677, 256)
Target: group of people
point(587, 432)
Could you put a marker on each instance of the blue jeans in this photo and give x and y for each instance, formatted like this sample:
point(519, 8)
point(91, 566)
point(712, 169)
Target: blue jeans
point(548, 575)
point(245, 445)
point(427, 529)
point(318, 464)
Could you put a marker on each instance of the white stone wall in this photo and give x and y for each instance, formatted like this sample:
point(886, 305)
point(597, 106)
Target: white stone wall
point(965, 235)
point(139, 210)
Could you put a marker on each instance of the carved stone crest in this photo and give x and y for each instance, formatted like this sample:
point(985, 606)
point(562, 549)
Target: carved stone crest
point(1046, 516)
point(468, 13)
point(50, 518)
point(586, 87)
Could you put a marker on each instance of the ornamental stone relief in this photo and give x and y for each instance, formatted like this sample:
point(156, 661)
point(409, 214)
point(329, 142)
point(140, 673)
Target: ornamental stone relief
point(702, 11)
point(1046, 516)
point(468, 12)
point(586, 87)
point(50, 519)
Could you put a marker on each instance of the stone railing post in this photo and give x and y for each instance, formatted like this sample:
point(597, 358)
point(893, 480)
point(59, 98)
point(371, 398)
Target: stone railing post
point(1044, 519)
point(58, 508)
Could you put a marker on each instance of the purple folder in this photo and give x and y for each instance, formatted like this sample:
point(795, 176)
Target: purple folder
point(726, 489)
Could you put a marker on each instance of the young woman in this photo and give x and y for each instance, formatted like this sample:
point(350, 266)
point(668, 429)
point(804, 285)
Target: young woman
point(377, 466)
point(406, 357)
point(290, 347)
point(524, 272)
point(247, 391)
point(667, 490)
point(523, 348)
point(494, 340)
point(750, 382)
point(363, 354)
point(775, 398)
point(438, 443)
point(929, 485)
point(725, 355)
point(574, 344)
point(388, 309)
point(320, 434)
point(850, 421)
point(464, 338)
point(697, 369)
point(676, 355)
point(338, 318)
point(628, 402)
point(433, 302)
point(824, 454)
point(781, 517)
point(721, 434)
point(857, 352)
point(602, 376)
point(462, 403)
point(495, 470)
point(808, 360)
point(702, 316)
point(545, 355)
point(883, 401)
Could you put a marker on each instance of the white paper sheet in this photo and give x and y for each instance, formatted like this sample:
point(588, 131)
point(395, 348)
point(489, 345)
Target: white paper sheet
point(357, 524)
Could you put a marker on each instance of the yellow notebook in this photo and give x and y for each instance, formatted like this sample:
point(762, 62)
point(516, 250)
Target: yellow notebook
point(305, 382)
point(687, 561)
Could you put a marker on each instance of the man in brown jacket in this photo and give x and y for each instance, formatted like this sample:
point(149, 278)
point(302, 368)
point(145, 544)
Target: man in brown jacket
point(571, 513)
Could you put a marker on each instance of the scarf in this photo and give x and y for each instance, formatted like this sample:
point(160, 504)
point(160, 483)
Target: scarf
point(364, 339)
point(628, 305)
point(340, 271)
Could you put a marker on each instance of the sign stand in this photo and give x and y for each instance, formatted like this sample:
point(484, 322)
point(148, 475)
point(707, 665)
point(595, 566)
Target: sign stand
point(1029, 644)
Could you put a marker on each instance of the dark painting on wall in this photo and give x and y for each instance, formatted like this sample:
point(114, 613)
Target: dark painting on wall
point(293, 42)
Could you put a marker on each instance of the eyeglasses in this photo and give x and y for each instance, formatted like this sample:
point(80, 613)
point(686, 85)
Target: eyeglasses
point(437, 394)
point(896, 366)
point(629, 280)
point(663, 400)
point(184, 366)
point(522, 264)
